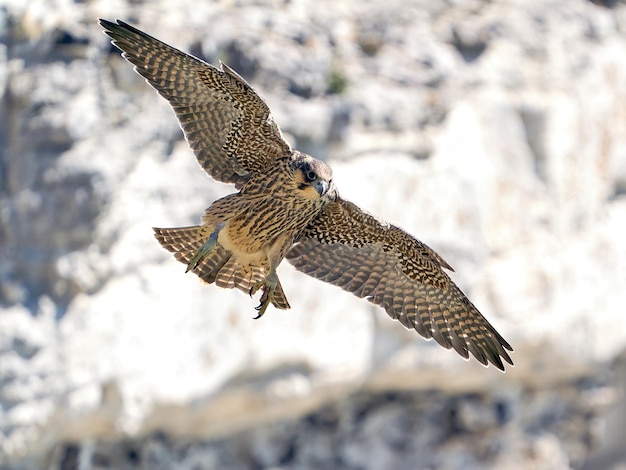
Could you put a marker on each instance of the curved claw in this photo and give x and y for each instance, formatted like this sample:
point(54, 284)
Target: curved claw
point(261, 309)
point(266, 298)
point(256, 286)
point(258, 315)
point(205, 250)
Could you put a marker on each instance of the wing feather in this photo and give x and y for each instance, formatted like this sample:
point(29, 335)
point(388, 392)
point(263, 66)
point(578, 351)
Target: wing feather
point(227, 124)
point(364, 255)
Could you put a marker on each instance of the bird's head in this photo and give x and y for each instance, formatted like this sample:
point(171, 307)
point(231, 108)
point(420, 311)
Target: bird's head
point(314, 178)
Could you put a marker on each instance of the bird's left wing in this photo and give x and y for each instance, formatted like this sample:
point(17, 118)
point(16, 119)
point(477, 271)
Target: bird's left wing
point(228, 126)
point(354, 250)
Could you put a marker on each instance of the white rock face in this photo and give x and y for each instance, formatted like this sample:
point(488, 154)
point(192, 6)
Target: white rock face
point(493, 131)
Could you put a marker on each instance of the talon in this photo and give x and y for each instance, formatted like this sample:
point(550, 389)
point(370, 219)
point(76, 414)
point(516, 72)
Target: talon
point(197, 258)
point(266, 298)
point(257, 285)
point(269, 286)
point(205, 250)
point(261, 309)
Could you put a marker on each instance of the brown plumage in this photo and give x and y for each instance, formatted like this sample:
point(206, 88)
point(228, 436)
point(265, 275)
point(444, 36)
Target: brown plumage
point(287, 207)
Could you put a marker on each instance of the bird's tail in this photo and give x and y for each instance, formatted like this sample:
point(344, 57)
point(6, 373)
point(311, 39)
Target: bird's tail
point(219, 266)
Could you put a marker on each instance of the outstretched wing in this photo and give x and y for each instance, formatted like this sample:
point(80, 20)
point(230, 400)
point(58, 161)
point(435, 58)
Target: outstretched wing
point(363, 255)
point(228, 126)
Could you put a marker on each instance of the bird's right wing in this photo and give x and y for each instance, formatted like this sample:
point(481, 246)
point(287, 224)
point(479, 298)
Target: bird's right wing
point(228, 126)
point(350, 248)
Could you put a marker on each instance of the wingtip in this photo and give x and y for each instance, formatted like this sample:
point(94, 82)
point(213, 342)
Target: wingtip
point(106, 25)
point(111, 24)
point(119, 25)
point(497, 361)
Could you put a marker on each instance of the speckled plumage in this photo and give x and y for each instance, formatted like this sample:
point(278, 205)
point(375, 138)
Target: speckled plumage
point(287, 207)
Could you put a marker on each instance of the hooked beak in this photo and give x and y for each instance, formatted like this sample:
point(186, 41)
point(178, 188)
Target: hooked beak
point(321, 187)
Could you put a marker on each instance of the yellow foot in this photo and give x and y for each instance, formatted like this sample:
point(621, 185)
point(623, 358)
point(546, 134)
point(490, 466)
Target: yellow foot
point(269, 286)
point(205, 250)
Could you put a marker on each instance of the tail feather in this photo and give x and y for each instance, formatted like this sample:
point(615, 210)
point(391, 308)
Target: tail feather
point(179, 239)
point(219, 266)
point(185, 241)
point(245, 277)
point(280, 299)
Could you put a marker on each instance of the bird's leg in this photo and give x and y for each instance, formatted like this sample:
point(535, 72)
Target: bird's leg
point(269, 286)
point(206, 249)
point(275, 255)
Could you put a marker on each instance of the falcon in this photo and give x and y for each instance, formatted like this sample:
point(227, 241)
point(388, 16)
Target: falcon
point(287, 206)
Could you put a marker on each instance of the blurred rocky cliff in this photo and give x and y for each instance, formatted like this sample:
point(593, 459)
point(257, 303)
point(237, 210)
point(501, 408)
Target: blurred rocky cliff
point(495, 131)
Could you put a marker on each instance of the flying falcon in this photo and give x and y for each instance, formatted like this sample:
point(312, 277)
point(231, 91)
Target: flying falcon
point(287, 206)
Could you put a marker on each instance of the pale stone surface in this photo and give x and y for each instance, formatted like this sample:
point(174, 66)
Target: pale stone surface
point(494, 131)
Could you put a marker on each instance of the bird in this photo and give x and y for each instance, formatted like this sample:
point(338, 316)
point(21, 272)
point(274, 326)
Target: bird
point(286, 206)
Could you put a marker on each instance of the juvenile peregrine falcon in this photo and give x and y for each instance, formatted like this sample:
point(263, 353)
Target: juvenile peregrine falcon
point(288, 207)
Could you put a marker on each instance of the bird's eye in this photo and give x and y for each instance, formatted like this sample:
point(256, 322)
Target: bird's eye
point(310, 175)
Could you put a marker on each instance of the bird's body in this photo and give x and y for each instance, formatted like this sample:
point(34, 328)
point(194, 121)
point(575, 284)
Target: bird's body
point(263, 214)
point(257, 226)
point(288, 207)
